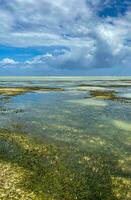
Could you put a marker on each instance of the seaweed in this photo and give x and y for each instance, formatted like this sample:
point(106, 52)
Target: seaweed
point(108, 95)
point(43, 170)
point(13, 91)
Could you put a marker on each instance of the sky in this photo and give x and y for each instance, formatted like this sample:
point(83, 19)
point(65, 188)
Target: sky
point(61, 37)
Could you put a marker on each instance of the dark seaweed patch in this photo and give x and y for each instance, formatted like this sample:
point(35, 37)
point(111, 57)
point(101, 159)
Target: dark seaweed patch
point(108, 95)
point(13, 91)
point(58, 171)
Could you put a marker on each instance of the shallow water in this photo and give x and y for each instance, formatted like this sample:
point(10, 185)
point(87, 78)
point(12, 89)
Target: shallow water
point(90, 118)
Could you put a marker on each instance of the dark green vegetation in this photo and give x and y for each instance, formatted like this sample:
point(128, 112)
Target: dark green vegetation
point(107, 95)
point(31, 169)
point(54, 149)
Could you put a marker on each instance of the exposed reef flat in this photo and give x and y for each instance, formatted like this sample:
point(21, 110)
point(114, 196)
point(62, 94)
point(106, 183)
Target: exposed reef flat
point(13, 91)
point(108, 95)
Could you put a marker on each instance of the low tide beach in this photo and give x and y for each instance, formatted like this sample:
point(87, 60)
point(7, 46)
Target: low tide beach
point(65, 138)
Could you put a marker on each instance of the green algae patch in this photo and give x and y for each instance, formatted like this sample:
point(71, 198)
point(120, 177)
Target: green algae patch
point(11, 177)
point(107, 95)
point(13, 91)
point(40, 170)
point(110, 95)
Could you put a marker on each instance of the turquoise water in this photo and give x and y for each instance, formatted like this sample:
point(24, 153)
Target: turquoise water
point(91, 114)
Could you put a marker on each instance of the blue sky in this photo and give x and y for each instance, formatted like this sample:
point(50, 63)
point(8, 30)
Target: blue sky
point(45, 37)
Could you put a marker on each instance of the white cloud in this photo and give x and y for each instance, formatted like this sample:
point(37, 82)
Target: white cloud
point(49, 24)
point(8, 61)
point(92, 41)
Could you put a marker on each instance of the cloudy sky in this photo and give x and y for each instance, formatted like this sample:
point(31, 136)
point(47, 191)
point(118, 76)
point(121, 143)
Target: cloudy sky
point(61, 37)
